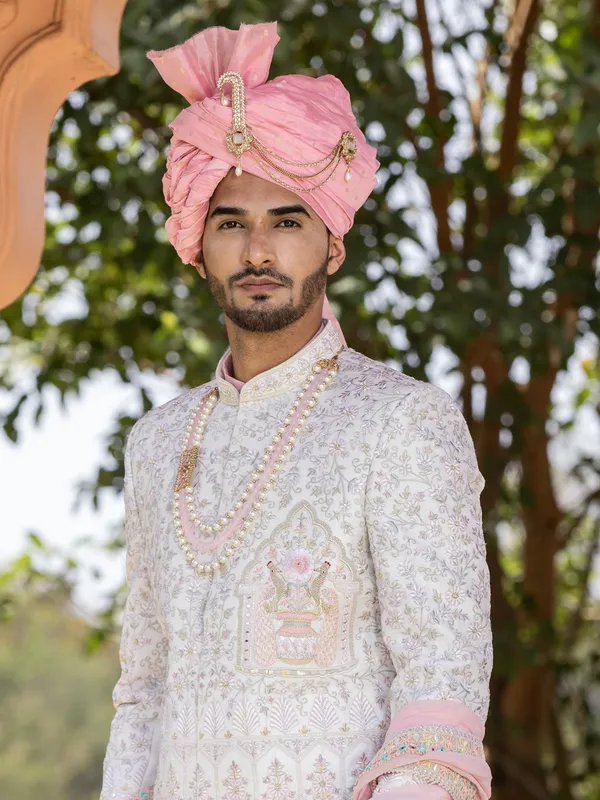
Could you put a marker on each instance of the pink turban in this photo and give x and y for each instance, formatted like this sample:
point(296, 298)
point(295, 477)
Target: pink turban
point(300, 118)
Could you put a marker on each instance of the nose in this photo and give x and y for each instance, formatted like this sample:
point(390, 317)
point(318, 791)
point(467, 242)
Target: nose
point(258, 251)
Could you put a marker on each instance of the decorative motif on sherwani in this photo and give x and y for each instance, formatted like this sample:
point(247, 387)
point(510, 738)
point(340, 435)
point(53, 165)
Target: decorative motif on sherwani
point(279, 783)
point(298, 601)
point(322, 782)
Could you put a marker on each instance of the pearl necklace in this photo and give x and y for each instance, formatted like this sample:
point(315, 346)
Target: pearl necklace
point(230, 529)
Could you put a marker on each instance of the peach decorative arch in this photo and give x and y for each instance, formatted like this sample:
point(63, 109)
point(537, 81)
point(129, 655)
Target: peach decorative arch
point(47, 49)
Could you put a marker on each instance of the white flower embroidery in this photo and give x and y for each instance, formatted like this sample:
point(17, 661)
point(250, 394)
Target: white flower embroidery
point(298, 565)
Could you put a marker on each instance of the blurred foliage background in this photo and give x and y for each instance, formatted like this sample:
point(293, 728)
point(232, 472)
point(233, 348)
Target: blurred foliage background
point(54, 702)
point(476, 257)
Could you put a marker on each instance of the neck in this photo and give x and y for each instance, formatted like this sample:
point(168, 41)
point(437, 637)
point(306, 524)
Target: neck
point(253, 353)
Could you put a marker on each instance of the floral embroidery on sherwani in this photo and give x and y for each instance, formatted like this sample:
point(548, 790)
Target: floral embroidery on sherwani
point(321, 781)
point(279, 783)
point(361, 587)
point(235, 784)
point(199, 786)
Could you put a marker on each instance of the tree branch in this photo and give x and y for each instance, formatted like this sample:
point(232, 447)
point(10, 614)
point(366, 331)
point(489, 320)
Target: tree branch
point(439, 190)
point(541, 516)
point(477, 105)
point(517, 39)
point(432, 106)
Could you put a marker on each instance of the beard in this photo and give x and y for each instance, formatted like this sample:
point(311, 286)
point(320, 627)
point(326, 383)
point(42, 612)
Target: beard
point(268, 320)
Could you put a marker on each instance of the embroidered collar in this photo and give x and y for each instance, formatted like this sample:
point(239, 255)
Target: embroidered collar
point(283, 377)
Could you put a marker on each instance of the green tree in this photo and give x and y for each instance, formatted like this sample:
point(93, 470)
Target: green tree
point(480, 245)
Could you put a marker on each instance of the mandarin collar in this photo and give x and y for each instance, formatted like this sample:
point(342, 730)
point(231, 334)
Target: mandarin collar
point(285, 376)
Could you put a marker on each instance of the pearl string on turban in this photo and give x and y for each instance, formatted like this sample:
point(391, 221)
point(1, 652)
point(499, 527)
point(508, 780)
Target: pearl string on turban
point(297, 117)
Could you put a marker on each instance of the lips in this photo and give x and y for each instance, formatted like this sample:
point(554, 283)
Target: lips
point(259, 286)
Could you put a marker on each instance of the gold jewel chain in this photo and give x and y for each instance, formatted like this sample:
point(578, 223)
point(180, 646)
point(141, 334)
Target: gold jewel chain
point(292, 187)
point(288, 172)
point(348, 156)
point(258, 144)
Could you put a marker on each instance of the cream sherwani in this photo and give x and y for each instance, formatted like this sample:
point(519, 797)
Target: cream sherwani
point(265, 684)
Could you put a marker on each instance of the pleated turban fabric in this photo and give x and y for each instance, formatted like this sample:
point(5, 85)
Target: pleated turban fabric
point(299, 118)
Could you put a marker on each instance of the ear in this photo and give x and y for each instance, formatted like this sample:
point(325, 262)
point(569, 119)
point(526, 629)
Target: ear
point(199, 265)
point(337, 254)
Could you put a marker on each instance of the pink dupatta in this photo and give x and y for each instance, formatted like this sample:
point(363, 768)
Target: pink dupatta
point(439, 743)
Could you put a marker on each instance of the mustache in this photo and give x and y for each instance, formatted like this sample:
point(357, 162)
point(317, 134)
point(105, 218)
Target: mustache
point(248, 272)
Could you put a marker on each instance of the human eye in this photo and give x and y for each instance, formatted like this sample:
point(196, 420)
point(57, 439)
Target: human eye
point(293, 223)
point(228, 225)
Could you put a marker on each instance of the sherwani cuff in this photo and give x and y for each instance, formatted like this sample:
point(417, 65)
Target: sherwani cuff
point(435, 743)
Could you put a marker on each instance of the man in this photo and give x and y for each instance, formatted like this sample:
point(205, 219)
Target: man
point(308, 614)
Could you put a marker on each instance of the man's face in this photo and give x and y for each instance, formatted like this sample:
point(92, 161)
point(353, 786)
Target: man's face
point(265, 253)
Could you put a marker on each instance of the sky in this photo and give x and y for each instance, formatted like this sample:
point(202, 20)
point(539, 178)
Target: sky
point(39, 475)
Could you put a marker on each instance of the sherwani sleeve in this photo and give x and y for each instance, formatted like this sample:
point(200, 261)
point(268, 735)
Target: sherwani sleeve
point(130, 762)
point(425, 533)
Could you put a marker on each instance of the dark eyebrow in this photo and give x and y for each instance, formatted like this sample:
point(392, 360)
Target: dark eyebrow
point(284, 210)
point(234, 211)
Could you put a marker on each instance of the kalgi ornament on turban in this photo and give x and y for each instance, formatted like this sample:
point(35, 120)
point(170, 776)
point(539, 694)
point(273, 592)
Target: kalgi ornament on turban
point(296, 131)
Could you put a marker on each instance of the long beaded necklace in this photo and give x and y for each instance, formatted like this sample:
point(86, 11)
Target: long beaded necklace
point(194, 533)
